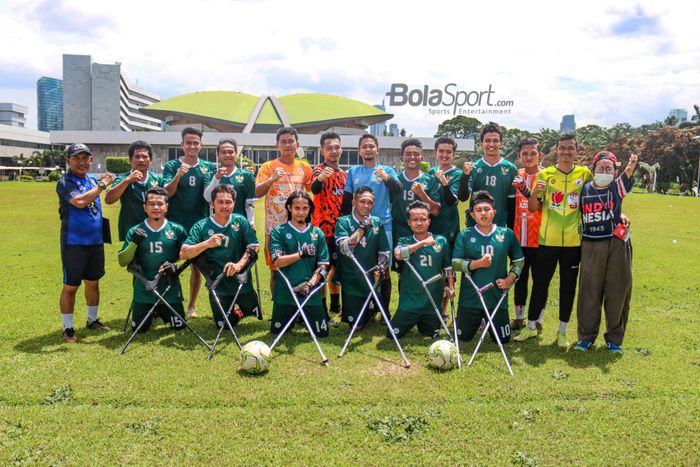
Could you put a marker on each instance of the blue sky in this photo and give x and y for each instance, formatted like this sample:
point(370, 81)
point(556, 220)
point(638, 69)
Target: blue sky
point(627, 62)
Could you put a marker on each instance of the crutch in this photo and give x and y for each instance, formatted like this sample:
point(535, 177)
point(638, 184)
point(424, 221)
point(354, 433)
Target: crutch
point(212, 285)
point(489, 316)
point(425, 284)
point(228, 313)
point(358, 320)
point(152, 286)
point(454, 329)
point(128, 316)
point(381, 308)
point(300, 311)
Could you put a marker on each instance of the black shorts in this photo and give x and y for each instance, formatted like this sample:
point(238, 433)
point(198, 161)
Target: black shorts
point(82, 262)
point(332, 251)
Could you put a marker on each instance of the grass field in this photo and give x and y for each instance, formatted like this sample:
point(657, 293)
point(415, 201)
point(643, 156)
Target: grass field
point(164, 403)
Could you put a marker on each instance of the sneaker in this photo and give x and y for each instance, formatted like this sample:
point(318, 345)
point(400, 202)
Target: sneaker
point(525, 334)
point(584, 345)
point(97, 326)
point(562, 341)
point(69, 336)
point(538, 326)
point(614, 348)
point(517, 324)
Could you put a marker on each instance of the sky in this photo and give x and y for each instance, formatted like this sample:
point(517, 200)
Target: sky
point(604, 62)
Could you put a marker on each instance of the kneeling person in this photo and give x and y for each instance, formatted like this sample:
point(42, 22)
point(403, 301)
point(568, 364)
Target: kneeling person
point(429, 255)
point(154, 245)
point(298, 249)
point(225, 242)
point(482, 251)
point(361, 235)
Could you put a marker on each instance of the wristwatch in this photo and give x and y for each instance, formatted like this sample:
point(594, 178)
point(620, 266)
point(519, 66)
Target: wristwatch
point(102, 184)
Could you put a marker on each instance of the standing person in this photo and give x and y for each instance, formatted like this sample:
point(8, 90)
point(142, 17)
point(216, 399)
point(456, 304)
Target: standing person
point(526, 226)
point(82, 242)
point(494, 174)
point(242, 180)
point(227, 243)
point(299, 250)
point(277, 180)
point(382, 179)
point(606, 254)
point(327, 185)
point(557, 193)
point(445, 189)
point(155, 246)
point(483, 251)
point(430, 255)
point(362, 234)
point(130, 188)
point(185, 179)
point(415, 186)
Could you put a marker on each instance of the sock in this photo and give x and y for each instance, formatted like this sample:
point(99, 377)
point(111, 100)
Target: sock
point(519, 312)
point(541, 318)
point(91, 313)
point(562, 326)
point(335, 302)
point(67, 320)
point(531, 324)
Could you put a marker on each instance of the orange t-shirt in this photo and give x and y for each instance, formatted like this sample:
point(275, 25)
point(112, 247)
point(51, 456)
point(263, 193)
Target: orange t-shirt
point(527, 223)
point(297, 177)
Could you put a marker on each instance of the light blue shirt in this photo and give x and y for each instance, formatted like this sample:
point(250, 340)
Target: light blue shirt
point(359, 175)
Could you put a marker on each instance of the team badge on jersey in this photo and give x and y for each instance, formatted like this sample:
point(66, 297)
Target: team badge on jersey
point(210, 232)
point(504, 170)
point(203, 169)
point(473, 240)
point(236, 227)
point(375, 230)
point(557, 198)
point(500, 238)
point(479, 170)
point(437, 248)
point(314, 236)
point(573, 200)
point(239, 178)
point(579, 182)
point(154, 183)
point(289, 236)
point(169, 234)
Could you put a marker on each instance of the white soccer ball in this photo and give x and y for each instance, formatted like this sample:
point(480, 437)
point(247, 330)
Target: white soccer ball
point(443, 355)
point(255, 357)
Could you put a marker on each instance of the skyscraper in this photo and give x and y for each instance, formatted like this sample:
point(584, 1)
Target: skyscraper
point(568, 124)
point(49, 98)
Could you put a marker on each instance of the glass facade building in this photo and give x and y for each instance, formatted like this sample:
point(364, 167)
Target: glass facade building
point(49, 98)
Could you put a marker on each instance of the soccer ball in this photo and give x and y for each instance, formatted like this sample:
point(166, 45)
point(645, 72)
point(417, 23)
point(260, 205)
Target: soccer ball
point(255, 357)
point(443, 355)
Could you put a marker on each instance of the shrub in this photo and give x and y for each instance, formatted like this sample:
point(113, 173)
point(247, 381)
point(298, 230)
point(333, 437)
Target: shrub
point(117, 165)
point(55, 175)
point(26, 178)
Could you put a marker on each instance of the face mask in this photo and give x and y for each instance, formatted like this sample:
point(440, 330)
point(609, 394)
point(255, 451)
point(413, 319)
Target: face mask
point(603, 180)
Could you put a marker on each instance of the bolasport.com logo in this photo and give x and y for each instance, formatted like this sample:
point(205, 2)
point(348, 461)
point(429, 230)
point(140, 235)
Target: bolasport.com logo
point(450, 100)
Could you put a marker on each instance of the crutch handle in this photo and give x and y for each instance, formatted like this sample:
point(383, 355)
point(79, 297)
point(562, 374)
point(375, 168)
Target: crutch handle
point(435, 278)
point(486, 287)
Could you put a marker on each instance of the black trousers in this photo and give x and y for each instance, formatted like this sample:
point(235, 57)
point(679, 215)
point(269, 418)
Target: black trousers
point(520, 295)
point(568, 258)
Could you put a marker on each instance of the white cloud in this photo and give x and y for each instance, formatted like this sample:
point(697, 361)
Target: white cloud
point(633, 62)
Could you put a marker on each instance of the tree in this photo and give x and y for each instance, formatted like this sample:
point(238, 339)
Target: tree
point(402, 133)
point(671, 120)
point(459, 127)
point(511, 140)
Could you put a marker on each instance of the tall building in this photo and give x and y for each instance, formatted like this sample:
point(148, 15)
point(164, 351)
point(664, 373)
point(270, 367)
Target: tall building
point(680, 114)
point(378, 129)
point(49, 98)
point(13, 114)
point(97, 97)
point(394, 130)
point(568, 124)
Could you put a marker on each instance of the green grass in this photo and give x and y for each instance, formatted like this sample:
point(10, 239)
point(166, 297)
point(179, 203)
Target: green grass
point(164, 403)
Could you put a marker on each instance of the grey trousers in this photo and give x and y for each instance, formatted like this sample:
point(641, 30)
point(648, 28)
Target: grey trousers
point(605, 282)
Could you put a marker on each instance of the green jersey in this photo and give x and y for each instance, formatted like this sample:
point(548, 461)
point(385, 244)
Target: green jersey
point(471, 244)
point(428, 261)
point(498, 181)
point(132, 200)
point(286, 239)
point(243, 181)
point(238, 236)
point(446, 223)
point(188, 205)
point(158, 247)
point(400, 202)
point(561, 205)
point(366, 251)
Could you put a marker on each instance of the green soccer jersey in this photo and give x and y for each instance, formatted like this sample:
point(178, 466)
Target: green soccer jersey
point(188, 205)
point(446, 223)
point(243, 181)
point(158, 247)
point(498, 181)
point(239, 235)
point(561, 205)
point(370, 245)
point(286, 239)
point(400, 202)
point(132, 200)
point(472, 244)
point(428, 261)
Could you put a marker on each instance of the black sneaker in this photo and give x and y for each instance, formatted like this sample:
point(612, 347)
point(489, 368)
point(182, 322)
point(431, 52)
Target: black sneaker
point(97, 326)
point(69, 336)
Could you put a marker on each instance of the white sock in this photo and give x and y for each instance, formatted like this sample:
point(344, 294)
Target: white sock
point(519, 312)
point(541, 318)
point(91, 313)
point(562, 326)
point(531, 324)
point(67, 320)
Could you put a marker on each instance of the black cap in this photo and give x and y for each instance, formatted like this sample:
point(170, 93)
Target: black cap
point(77, 148)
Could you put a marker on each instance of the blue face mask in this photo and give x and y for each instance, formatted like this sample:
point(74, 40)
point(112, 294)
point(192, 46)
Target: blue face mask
point(603, 180)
